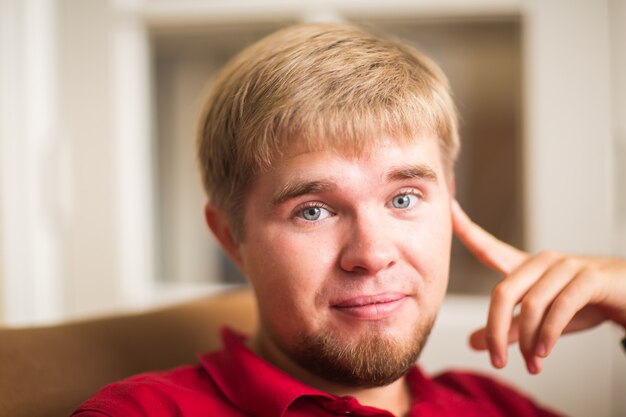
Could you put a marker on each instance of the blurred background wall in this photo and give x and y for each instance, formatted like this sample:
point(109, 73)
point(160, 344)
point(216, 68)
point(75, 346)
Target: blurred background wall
point(100, 202)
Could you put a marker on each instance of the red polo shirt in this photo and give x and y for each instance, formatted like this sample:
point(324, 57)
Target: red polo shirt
point(235, 382)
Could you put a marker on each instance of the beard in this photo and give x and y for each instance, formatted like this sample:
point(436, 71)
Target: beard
point(373, 360)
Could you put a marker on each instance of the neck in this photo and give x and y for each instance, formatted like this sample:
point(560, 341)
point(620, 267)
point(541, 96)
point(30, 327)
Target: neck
point(395, 397)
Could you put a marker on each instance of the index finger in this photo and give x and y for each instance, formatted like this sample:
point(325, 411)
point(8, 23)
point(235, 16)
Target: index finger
point(488, 249)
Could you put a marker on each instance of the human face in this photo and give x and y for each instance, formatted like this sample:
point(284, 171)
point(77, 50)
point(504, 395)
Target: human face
point(349, 251)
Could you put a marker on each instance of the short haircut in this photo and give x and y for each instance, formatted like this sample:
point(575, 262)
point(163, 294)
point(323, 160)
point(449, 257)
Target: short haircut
point(318, 86)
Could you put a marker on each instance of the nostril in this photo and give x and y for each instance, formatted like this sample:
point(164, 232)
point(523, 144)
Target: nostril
point(368, 259)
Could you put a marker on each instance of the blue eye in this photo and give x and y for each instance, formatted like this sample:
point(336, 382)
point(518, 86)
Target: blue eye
point(404, 201)
point(313, 214)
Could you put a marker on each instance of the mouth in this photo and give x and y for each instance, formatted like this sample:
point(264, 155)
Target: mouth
point(371, 307)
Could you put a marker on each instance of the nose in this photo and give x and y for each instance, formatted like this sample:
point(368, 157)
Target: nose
point(369, 247)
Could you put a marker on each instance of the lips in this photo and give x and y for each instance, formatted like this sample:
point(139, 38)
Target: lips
point(370, 299)
point(371, 307)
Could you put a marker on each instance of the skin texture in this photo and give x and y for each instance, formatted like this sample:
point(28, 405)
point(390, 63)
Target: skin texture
point(366, 268)
point(355, 250)
point(558, 293)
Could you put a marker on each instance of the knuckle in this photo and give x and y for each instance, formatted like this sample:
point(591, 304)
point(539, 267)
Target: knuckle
point(550, 255)
point(502, 290)
point(530, 306)
point(589, 273)
point(588, 280)
point(563, 302)
point(570, 263)
point(549, 331)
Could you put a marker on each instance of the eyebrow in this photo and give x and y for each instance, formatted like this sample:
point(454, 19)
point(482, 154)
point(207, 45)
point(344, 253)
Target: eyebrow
point(297, 188)
point(423, 172)
point(294, 189)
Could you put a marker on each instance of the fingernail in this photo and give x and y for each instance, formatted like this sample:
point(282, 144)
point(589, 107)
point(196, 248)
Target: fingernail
point(496, 360)
point(532, 367)
point(542, 350)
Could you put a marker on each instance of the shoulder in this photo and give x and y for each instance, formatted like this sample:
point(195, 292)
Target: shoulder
point(183, 391)
point(491, 393)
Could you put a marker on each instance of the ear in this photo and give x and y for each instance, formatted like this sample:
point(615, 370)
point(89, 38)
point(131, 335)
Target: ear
point(219, 224)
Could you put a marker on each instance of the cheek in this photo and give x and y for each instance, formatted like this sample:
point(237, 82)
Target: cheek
point(430, 248)
point(287, 271)
point(282, 257)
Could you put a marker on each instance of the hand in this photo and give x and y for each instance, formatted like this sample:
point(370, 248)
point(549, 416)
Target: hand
point(557, 293)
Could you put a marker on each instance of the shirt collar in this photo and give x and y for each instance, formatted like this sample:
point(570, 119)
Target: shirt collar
point(252, 383)
point(259, 388)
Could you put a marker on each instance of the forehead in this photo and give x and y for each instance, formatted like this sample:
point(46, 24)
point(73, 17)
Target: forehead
point(390, 161)
point(361, 147)
point(424, 149)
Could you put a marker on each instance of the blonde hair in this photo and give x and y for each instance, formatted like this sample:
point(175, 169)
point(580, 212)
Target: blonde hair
point(317, 86)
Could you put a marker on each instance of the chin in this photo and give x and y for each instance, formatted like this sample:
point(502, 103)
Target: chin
point(376, 355)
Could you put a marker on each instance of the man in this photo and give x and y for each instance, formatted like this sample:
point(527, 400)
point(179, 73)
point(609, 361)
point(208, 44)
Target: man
point(327, 155)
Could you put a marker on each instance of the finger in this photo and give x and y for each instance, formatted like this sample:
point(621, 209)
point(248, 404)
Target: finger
point(537, 301)
point(485, 247)
point(505, 296)
point(478, 341)
point(584, 319)
point(478, 338)
point(575, 296)
point(534, 364)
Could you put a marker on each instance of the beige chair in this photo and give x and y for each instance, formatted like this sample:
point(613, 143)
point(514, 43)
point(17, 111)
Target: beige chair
point(49, 371)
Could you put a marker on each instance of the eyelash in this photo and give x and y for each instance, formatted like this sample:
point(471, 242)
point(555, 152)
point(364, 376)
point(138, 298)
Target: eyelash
point(316, 204)
point(309, 204)
point(409, 191)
